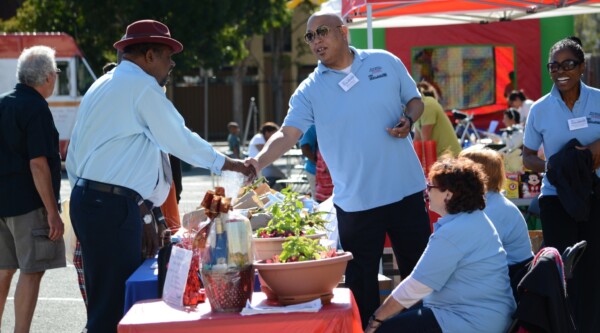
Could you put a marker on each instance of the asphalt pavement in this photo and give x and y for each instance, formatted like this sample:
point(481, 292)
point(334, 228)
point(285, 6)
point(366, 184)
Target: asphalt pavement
point(60, 308)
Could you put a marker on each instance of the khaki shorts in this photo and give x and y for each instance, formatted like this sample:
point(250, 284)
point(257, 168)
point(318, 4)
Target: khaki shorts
point(25, 245)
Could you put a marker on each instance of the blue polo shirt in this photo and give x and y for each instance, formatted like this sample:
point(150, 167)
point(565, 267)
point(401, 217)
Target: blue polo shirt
point(465, 265)
point(369, 168)
point(510, 225)
point(310, 138)
point(547, 124)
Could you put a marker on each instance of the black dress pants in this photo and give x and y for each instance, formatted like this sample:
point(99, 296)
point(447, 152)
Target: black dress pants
point(363, 233)
point(109, 228)
point(561, 231)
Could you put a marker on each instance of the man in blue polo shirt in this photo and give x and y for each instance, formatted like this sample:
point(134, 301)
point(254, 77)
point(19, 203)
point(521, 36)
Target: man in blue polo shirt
point(355, 98)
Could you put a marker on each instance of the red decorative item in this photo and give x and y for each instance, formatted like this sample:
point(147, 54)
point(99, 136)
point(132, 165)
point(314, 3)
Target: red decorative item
point(194, 292)
point(426, 151)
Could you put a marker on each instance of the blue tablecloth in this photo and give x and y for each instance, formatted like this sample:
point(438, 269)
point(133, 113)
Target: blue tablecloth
point(142, 284)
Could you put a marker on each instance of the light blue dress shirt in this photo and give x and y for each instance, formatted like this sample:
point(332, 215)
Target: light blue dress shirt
point(369, 167)
point(510, 225)
point(465, 265)
point(124, 122)
point(547, 124)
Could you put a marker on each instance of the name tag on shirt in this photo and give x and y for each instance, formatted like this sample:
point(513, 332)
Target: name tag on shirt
point(577, 123)
point(348, 82)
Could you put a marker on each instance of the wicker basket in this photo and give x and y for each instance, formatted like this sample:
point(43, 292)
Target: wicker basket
point(228, 291)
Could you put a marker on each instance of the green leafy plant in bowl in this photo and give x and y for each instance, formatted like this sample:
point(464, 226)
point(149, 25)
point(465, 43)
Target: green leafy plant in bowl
point(289, 218)
point(297, 248)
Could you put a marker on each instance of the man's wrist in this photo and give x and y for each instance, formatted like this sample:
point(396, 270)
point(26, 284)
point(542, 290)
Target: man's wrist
point(374, 322)
point(410, 121)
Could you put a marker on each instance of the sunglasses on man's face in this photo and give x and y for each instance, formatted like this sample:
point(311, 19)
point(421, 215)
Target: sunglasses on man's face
point(320, 31)
point(566, 65)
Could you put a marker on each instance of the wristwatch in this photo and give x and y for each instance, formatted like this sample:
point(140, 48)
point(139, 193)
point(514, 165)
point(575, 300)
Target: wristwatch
point(410, 121)
point(147, 218)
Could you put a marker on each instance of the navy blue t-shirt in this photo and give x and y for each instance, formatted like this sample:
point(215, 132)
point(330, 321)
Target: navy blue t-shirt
point(27, 131)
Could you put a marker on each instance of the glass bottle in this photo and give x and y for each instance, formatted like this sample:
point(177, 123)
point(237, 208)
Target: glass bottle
point(219, 256)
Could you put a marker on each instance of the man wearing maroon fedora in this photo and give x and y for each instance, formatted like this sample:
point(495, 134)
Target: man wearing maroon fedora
point(117, 160)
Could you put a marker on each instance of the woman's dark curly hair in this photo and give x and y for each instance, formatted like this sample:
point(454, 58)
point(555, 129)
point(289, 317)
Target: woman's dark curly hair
point(465, 179)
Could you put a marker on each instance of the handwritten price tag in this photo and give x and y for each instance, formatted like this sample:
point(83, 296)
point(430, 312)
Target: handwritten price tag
point(179, 266)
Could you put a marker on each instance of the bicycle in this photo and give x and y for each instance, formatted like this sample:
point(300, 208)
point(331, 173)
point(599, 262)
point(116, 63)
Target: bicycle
point(465, 129)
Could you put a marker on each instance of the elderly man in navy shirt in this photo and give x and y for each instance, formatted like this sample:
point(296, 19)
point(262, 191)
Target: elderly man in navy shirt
point(30, 225)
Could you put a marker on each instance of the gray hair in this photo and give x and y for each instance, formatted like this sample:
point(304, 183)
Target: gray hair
point(34, 65)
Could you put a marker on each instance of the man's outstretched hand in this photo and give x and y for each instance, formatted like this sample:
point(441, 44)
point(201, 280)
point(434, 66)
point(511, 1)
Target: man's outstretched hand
point(242, 167)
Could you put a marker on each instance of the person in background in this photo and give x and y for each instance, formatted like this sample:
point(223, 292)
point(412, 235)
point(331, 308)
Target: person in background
point(270, 172)
point(510, 86)
point(511, 118)
point(233, 140)
point(362, 103)
point(462, 277)
point(512, 134)
point(118, 158)
point(504, 214)
point(434, 124)
point(31, 229)
point(308, 145)
point(519, 101)
point(570, 111)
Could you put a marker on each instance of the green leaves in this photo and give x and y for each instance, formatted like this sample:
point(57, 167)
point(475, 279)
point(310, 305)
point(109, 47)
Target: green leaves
point(212, 31)
point(298, 248)
point(289, 218)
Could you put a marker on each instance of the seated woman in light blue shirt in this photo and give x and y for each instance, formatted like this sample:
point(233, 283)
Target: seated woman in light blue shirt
point(462, 277)
point(504, 214)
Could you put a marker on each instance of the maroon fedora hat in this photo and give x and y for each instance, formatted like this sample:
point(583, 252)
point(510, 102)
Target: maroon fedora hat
point(148, 31)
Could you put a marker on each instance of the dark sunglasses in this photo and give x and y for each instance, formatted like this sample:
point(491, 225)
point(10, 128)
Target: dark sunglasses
point(566, 65)
point(320, 31)
point(430, 186)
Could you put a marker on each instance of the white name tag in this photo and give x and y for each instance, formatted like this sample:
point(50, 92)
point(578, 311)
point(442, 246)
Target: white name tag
point(577, 123)
point(348, 82)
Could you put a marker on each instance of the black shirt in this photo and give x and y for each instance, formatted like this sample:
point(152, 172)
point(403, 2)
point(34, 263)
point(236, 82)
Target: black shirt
point(27, 131)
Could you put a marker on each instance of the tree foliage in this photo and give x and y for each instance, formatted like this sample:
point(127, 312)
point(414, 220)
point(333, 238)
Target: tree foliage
point(213, 32)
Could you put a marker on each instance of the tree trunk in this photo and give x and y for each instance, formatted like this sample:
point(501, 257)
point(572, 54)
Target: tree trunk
point(277, 40)
point(239, 73)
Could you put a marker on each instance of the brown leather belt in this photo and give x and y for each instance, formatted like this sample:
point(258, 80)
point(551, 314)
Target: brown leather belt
point(109, 188)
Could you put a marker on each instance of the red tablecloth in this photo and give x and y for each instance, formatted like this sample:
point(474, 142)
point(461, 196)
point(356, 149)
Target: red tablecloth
point(341, 316)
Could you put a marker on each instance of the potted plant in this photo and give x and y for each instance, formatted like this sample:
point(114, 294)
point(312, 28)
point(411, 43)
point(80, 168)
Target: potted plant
point(304, 271)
